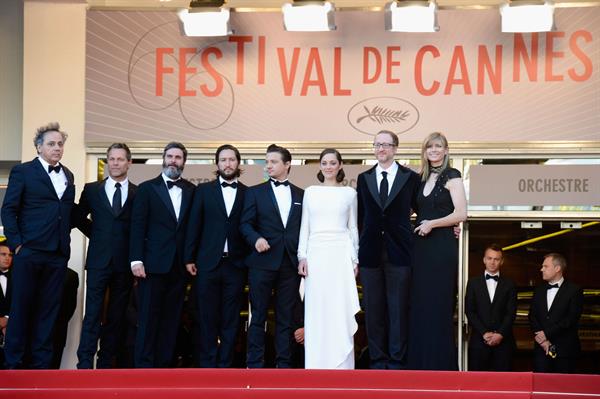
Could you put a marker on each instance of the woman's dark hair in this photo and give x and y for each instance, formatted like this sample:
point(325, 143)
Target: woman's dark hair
point(340, 174)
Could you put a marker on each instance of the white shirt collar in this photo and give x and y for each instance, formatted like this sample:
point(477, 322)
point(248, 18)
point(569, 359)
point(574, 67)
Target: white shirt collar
point(391, 170)
point(221, 180)
point(46, 164)
point(112, 182)
point(166, 178)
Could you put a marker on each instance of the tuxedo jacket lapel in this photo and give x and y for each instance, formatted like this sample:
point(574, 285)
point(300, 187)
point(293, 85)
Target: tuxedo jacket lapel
point(271, 194)
point(399, 182)
point(161, 189)
point(104, 200)
point(186, 200)
point(295, 199)
point(218, 194)
point(43, 175)
point(371, 180)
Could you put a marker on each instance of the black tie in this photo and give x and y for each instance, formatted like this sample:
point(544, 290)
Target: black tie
point(383, 189)
point(232, 185)
point(489, 276)
point(54, 168)
point(178, 183)
point(116, 204)
point(550, 286)
point(279, 183)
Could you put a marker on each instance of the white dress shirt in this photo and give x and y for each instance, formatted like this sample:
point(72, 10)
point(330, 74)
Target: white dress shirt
point(59, 180)
point(551, 293)
point(283, 196)
point(391, 175)
point(229, 194)
point(491, 285)
point(109, 188)
point(175, 194)
point(3, 284)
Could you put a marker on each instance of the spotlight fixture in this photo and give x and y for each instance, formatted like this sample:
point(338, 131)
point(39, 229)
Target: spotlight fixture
point(206, 18)
point(308, 16)
point(411, 16)
point(527, 16)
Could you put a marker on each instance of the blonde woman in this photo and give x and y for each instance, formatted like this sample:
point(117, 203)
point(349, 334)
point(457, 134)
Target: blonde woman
point(441, 204)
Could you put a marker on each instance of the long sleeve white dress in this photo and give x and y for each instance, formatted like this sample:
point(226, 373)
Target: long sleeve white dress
point(329, 243)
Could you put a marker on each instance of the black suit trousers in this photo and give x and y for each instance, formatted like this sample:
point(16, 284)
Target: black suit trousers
point(37, 287)
point(386, 296)
point(286, 283)
point(491, 358)
point(111, 333)
point(219, 296)
point(159, 316)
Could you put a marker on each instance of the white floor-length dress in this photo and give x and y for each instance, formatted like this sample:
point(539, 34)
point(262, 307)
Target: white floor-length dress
point(329, 243)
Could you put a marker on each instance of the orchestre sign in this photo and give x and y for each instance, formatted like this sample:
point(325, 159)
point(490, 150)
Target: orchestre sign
point(575, 185)
point(145, 81)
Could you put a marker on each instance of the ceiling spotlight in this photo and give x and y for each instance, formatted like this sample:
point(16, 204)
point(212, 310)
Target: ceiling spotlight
point(527, 16)
point(308, 16)
point(206, 18)
point(411, 16)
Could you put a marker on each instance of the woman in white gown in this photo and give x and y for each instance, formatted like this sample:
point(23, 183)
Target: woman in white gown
point(328, 258)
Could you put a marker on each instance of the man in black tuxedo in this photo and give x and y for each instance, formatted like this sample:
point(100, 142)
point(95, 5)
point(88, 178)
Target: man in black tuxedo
point(271, 226)
point(491, 307)
point(214, 253)
point(5, 263)
point(109, 204)
point(37, 223)
point(554, 317)
point(158, 224)
point(386, 195)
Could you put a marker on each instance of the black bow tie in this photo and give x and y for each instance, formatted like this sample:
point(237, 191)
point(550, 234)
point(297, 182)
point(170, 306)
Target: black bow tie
point(178, 183)
point(489, 276)
point(280, 183)
point(232, 185)
point(550, 286)
point(3, 273)
point(54, 168)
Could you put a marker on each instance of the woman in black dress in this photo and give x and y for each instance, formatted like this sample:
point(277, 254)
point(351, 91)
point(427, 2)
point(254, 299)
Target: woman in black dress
point(441, 204)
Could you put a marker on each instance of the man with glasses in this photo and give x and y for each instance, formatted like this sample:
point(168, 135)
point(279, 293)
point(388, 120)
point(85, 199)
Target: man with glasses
point(386, 195)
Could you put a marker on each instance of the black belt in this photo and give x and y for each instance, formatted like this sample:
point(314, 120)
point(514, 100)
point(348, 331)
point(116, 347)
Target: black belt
point(225, 255)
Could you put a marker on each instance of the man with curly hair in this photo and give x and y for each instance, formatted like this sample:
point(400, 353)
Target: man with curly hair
point(37, 222)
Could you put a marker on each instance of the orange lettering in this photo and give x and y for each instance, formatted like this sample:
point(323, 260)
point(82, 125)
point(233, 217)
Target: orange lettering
point(484, 65)
point(314, 61)
point(585, 60)
point(184, 70)
point(241, 42)
point(390, 64)
point(551, 55)
point(377, 55)
point(458, 60)
point(419, 71)
point(161, 69)
point(288, 78)
point(337, 74)
point(261, 60)
point(212, 72)
point(520, 51)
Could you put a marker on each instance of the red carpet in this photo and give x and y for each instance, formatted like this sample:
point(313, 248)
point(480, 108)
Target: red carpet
point(276, 384)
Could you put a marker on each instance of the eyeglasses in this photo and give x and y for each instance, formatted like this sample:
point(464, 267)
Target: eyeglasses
point(385, 146)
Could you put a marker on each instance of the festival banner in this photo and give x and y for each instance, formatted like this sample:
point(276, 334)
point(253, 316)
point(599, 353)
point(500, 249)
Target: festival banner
point(146, 81)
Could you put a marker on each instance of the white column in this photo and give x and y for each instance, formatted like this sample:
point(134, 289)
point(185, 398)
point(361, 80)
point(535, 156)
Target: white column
point(54, 90)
